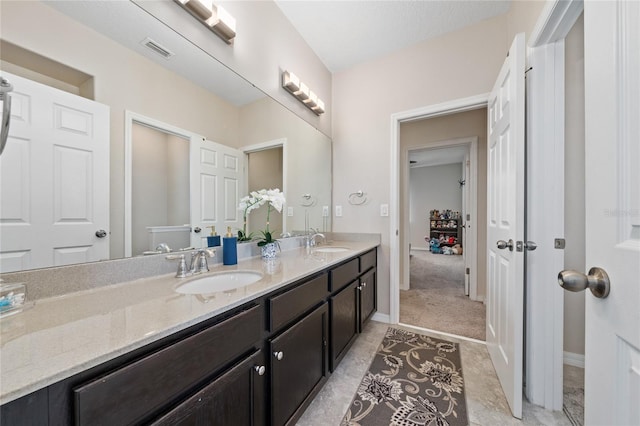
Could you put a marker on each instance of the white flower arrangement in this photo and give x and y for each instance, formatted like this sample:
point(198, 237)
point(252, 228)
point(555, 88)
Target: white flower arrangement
point(274, 200)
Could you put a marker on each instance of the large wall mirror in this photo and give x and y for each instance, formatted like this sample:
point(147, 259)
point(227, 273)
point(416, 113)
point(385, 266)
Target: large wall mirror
point(130, 64)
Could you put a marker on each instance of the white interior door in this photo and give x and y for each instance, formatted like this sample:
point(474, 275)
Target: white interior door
point(505, 224)
point(54, 179)
point(217, 184)
point(466, 201)
point(612, 149)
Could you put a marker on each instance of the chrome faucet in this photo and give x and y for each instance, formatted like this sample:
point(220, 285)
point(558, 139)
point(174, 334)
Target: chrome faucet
point(198, 265)
point(199, 260)
point(311, 239)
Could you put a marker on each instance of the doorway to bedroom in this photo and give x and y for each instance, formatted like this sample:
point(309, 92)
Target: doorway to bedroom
point(443, 282)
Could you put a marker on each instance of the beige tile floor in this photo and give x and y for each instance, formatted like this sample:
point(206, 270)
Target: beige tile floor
point(486, 403)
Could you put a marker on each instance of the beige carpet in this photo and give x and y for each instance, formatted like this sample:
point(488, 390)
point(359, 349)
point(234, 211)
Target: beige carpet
point(436, 297)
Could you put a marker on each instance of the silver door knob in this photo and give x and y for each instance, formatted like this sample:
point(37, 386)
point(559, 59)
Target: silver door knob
point(101, 233)
point(597, 281)
point(502, 244)
point(278, 355)
point(530, 245)
point(260, 369)
point(197, 229)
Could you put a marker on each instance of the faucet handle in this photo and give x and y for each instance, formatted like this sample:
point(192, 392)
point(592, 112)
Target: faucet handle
point(182, 265)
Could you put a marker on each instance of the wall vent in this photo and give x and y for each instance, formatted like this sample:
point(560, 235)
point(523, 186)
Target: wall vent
point(157, 48)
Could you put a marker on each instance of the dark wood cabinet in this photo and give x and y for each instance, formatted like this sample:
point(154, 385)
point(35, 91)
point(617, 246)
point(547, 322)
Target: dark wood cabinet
point(298, 366)
point(352, 303)
point(368, 298)
point(343, 308)
point(139, 390)
point(234, 399)
point(258, 364)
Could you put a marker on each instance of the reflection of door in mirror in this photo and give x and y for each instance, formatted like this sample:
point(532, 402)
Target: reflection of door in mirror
point(265, 171)
point(54, 179)
point(217, 184)
point(177, 185)
point(160, 190)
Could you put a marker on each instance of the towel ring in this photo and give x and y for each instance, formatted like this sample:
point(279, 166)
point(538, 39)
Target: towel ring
point(357, 198)
point(308, 201)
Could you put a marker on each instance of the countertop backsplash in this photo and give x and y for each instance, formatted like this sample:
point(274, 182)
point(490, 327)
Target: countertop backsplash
point(60, 280)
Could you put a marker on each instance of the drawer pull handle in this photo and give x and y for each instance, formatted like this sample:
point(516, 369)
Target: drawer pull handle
point(278, 355)
point(260, 369)
point(364, 284)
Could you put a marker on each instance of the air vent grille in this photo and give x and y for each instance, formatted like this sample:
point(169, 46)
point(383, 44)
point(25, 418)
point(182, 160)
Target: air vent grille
point(157, 48)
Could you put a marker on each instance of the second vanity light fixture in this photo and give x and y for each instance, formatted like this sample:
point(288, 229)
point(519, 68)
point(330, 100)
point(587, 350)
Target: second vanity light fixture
point(214, 17)
point(292, 83)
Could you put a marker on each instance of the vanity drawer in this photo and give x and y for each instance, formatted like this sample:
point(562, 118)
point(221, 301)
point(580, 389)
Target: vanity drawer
point(368, 261)
point(134, 392)
point(343, 275)
point(293, 303)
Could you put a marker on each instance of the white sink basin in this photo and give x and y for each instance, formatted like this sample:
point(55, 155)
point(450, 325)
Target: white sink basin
point(331, 249)
point(220, 281)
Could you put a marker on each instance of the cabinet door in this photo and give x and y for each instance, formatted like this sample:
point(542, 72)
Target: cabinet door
point(343, 309)
point(235, 399)
point(368, 296)
point(298, 366)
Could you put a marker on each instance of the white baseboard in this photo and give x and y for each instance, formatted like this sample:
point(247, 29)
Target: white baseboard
point(570, 358)
point(385, 318)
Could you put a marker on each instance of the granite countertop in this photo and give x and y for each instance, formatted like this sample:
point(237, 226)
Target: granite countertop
point(64, 335)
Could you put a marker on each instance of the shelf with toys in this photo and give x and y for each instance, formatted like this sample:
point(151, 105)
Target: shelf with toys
point(444, 232)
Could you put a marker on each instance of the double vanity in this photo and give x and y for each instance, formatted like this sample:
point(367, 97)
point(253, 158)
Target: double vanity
point(240, 345)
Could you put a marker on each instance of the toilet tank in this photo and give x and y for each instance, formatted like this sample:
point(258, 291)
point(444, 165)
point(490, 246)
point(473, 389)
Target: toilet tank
point(176, 237)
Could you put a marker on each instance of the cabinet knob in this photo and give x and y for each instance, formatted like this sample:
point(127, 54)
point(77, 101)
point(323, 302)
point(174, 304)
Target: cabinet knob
point(278, 355)
point(260, 369)
point(364, 284)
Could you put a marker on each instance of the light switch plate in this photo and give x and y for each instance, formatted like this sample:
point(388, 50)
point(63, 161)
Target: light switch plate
point(338, 211)
point(289, 211)
point(384, 209)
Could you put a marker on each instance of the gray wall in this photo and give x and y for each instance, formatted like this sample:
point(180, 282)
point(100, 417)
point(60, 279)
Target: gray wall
point(434, 187)
point(574, 174)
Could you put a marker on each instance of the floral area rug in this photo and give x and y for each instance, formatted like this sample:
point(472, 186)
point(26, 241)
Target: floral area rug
point(413, 380)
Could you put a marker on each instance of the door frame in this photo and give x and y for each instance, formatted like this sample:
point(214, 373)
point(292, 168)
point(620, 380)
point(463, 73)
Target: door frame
point(262, 146)
point(471, 241)
point(432, 111)
point(130, 118)
point(544, 307)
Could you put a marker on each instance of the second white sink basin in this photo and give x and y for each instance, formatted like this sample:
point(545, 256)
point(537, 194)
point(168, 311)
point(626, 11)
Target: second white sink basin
point(219, 281)
point(331, 249)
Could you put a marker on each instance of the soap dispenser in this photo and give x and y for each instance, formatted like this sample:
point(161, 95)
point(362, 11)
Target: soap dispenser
point(229, 248)
point(213, 240)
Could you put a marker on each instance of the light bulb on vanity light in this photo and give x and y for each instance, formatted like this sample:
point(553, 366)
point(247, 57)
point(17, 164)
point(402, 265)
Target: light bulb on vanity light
point(201, 8)
point(319, 108)
point(291, 82)
point(216, 18)
point(222, 23)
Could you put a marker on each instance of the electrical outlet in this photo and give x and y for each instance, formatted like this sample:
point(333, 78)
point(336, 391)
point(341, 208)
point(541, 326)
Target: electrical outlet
point(338, 211)
point(384, 209)
point(325, 211)
point(289, 211)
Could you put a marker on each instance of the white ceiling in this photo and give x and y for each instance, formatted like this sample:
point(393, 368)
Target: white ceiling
point(346, 33)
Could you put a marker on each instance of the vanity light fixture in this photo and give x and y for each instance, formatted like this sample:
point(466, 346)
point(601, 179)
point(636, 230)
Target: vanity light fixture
point(301, 91)
point(216, 18)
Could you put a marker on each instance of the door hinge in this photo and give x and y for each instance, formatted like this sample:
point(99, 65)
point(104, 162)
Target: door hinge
point(559, 243)
point(467, 271)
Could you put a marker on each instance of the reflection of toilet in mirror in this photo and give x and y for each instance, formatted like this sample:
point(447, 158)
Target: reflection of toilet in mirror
point(176, 237)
